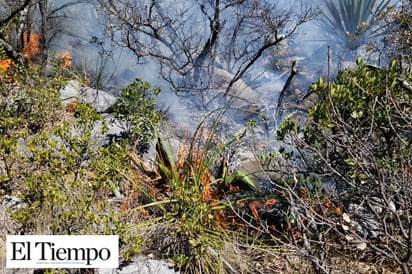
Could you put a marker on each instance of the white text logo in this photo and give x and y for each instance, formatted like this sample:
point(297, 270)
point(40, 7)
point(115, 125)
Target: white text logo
point(83, 251)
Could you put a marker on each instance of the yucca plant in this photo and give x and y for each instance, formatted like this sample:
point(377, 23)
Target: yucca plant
point(201, 202)
point(352, 21)
point(193, 216)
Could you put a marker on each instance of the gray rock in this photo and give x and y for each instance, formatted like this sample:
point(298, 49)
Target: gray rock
point(12, 202)
point(253, 170)
point(99, 99)
point(367, 224)
point(71, 92)
point(240, 95)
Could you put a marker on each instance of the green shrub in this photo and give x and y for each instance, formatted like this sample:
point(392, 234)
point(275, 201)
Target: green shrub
point(51, 160)
point(135, 110)
point(359, 134)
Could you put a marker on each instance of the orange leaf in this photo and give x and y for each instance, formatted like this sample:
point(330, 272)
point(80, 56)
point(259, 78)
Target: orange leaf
point(297, 233)
point(123, 207)
point(71, 106)
point(338, 210)
point(406, 169)
point(233, 188)
point(269, 202)
point(236, 223)
point(214, 202)
point(253, 207)
point(240, 203)
point(327, 204)
point(67, 59)
point(206, 194)
point(303, 193)
point(220, 218)
point(6, 63)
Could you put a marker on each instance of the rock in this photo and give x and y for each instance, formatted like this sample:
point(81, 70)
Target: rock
point(12, 202)
point(253, 170)
point(71, 92)
point(361, 245)
point(345, 227)
point(346, 218)
point(365, 222)
point(240, 95)
point(99, 99)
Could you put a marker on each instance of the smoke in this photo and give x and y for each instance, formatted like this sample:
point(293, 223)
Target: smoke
point(115, 67)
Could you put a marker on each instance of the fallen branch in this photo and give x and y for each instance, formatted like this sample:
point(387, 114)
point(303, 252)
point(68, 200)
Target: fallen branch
point(140, 164)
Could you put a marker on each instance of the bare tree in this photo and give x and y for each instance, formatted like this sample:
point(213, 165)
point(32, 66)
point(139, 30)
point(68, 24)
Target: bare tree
point(190, 39)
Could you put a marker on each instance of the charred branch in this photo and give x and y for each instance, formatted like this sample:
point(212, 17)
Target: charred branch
point(286, 87)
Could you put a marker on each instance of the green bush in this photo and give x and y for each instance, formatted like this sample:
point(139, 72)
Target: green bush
point(51, 160)
point(359, 134)
point(367, 106)
point(135, 109)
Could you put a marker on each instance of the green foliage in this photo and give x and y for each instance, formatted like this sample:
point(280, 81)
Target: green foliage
point(23, 107)
point(51, 159)
point(360, 133)
point(23, 103)
point(194, 213)
point(362, 104)
point(67, 179)
point(135, 111)
point(189, 214)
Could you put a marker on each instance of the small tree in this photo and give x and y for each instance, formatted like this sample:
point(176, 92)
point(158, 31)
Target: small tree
point(135, 112)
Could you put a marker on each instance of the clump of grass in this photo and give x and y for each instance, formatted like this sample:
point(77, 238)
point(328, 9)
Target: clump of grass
point(193, 228)
point(189, 193)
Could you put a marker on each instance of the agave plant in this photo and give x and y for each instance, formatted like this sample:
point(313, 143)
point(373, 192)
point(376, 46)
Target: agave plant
point(352, 21)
